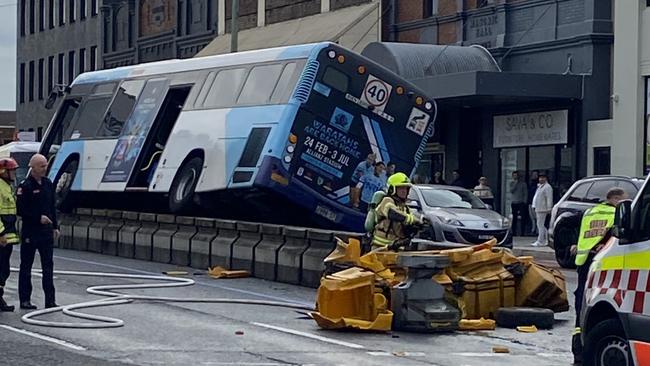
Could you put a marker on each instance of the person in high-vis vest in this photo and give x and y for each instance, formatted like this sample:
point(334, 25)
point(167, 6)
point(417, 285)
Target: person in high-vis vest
point(8, 231)
point(393, 216)
point(594, 234)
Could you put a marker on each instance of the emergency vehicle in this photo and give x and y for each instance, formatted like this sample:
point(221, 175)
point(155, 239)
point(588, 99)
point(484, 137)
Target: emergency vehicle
point(615, 318)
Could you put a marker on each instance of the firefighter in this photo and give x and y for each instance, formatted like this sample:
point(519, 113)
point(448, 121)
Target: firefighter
point(394, 218)
point(8, 232)
point(594, 233)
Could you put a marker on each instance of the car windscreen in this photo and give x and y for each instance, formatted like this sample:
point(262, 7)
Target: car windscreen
point(448, 198)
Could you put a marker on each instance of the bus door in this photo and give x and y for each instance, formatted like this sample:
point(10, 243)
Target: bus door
point(153, 146)
point(134, 133)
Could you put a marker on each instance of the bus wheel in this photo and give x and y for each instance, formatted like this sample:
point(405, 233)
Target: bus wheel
point(181, 194)
point(606, 345)
point(63, 184)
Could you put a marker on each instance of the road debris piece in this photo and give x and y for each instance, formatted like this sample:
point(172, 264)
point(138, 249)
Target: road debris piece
point(220, 272)
point(527, 329)
point(477, 324)
point(175, 273)
point(239, 332)
point(500, 349)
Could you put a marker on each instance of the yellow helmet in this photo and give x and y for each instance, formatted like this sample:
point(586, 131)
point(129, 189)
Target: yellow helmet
point(397, 180)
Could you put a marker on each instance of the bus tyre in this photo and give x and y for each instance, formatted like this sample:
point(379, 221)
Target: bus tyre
point(181, 194)
point(522, 316)
point(64, 199)
point(607, 345)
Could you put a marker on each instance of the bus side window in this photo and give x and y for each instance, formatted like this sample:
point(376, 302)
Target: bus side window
point(90, 116)
point(285, 85)
point(225, 88)
point(259, 85)
point(123, 103)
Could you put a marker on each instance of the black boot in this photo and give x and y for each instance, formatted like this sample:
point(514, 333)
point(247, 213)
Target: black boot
point(4, 306)
point(27, 305)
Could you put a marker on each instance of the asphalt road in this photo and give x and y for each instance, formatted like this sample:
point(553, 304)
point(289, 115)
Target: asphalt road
point(224, 334)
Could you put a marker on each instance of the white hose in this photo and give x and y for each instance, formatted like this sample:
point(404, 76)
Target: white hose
point(115, 298)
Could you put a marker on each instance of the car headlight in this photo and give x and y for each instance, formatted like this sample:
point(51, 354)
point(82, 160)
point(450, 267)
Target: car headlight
point(505, 223)
point(449, 221)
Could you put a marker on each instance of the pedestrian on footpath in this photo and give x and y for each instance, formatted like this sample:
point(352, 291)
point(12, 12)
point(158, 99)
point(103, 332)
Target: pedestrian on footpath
point(519, 205)
point(36, 207)
point(542, 204)
point(484, 192)
point(8, 233)
point(532, 188)
point(595, 231)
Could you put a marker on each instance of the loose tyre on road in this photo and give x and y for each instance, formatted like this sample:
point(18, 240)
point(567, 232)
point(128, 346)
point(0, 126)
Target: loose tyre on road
point(514, 317)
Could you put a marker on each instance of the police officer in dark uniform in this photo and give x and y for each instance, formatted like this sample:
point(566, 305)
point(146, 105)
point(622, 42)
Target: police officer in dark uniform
point(35, 202)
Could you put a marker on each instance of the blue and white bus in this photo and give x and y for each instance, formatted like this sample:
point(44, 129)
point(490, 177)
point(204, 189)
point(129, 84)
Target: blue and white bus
point(273, 134)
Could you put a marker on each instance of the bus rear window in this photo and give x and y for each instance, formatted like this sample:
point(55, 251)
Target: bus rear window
point(336, 79)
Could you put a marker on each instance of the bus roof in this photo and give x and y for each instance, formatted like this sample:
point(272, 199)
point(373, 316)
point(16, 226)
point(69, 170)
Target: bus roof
point(176, 65)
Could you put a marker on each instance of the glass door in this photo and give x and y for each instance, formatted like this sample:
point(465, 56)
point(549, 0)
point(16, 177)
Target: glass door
point(511, 160)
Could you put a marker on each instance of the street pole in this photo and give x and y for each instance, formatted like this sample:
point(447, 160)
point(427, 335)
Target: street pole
point(234, 25)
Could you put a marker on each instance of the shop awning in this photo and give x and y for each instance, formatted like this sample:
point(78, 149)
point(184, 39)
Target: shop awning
point(352, 27)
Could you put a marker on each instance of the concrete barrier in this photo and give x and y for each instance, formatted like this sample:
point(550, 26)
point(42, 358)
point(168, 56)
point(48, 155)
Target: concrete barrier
point(162, 238)
point(96, 230)
point(266, 252)
point(321, 243)
point(144, 236)
point(290, 255)
point(182, 241)
point(111, 232)
point(243, 249)
point(80, 229)
point(66, 222)
point(201, 243)
point(126, 235)
point(222, 244)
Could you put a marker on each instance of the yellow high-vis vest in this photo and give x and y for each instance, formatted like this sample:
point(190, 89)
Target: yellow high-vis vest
point(8, 213)
point(595, 224)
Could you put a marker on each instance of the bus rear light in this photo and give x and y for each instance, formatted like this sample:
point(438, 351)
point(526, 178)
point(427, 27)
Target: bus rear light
point(290, 149)
point(399, 90)
point(293, 138)
point(419, 100)
point(341, 59)
point(361, 69)
point(331, 54)
point(428, 106)
point(287, 159)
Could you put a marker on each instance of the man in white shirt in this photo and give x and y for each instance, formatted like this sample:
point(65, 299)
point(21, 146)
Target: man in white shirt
point(542, 204)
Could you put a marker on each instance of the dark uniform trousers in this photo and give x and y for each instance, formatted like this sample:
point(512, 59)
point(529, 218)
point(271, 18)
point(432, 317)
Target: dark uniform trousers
point(5, 256)
point(583, 276)
point(45, 247)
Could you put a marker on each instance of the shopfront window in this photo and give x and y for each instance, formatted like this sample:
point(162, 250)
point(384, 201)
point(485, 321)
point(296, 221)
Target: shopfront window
point(511, 160)
point(647, 128)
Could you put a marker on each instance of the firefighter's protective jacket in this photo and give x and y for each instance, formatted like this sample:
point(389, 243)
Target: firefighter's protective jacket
point(392, 218)
point(8, 213)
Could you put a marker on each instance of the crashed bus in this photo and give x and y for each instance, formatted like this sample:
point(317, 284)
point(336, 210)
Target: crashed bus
point(273, 135)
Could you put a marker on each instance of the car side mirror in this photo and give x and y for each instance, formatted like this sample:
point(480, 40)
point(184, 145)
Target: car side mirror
point(489, 207)
point(413, 204)
point(623, 221)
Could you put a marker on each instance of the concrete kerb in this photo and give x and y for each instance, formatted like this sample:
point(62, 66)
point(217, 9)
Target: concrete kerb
point(66, 223)
point(221, 246)
point(126, 234)
point(144, 236)
point(162, 238)
point(243, 249)
point(200, 243)
point(321, 243)
point(110, 238)
point(266, 252)
point(182, 241)
point(290, 255)
point(80, 229)
point(96, 230)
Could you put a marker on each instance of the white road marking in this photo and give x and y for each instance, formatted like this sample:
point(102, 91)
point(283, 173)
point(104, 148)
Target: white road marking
point(309, 335)
point(480, 354)
point(60, 342)
point(242, 363)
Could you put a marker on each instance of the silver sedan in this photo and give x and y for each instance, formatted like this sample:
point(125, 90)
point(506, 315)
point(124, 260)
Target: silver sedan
point(458, 216)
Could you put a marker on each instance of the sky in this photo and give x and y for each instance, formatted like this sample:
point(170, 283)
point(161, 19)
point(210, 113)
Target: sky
point(8, 16)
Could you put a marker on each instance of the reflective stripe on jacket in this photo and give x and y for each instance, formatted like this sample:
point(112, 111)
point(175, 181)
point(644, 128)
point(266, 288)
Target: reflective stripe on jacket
point(8, 213)
point(596, 222)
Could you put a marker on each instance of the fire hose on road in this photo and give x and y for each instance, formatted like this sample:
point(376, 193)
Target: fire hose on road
point(116, 298)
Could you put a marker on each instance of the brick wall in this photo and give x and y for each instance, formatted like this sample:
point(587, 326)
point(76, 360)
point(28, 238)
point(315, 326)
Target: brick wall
point(282, 10)
point(247, 14)
point(338, 4)
point(409, 10)
point(157, 18)
point(410, 36)
point(447, 33)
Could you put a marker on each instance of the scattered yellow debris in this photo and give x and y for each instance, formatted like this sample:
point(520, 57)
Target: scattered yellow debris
point(220, 272)
point(477, 324)
point(500, 349)
point(527, 329)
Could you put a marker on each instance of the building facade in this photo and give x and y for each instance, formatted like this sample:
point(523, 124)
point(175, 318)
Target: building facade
point(57, 40)
point(628, 133)
point(554, 58)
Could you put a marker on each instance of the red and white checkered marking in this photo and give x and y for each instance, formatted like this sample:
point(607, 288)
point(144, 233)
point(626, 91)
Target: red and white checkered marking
point(627, 289)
